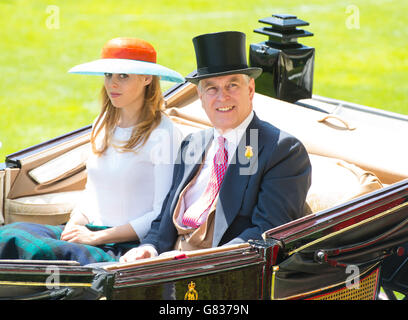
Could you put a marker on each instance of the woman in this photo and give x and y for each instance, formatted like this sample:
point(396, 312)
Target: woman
point(130, 168)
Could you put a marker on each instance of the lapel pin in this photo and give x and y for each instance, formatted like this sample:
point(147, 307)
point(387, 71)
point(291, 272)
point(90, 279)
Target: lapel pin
point(249, 152)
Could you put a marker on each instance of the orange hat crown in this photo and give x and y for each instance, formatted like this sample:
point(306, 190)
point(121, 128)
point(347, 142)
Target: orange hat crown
point(129, 48)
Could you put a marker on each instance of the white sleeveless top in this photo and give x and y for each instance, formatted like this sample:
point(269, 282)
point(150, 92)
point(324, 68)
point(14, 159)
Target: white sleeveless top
point(128, 187)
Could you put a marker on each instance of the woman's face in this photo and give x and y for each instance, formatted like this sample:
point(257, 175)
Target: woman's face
point(126, 90)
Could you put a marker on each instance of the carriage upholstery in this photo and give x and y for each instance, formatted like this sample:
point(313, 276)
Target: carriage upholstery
point(334, 181)
point(53, 208)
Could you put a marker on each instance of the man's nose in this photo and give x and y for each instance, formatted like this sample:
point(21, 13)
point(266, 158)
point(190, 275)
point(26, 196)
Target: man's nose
point(223, 94)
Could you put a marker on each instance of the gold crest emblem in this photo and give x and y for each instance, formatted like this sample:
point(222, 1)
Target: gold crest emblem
point(191, 294)
point(249, 153)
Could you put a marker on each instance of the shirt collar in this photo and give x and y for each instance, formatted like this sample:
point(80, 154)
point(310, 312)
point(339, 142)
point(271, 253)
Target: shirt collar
point(233, 136)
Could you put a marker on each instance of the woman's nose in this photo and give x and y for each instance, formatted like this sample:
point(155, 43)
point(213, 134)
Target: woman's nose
point(113, 81)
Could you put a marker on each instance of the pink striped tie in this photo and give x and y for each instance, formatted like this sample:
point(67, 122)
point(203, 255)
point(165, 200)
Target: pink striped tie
point(193, 214)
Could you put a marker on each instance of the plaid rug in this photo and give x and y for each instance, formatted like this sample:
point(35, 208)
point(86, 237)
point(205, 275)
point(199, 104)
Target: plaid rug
point(30, 241)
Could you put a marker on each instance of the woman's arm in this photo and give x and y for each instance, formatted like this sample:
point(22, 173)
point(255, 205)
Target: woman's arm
point(81, 234)
point(77, 218)
point(76, 231)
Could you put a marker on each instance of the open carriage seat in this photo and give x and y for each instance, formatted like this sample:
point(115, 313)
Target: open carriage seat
point(333, 180)
point(47, 186)
point(53, 208)
point(336, 181)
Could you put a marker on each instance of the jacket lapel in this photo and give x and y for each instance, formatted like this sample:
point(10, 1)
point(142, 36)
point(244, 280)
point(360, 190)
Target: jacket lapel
point(236, 179)
point(193, 156)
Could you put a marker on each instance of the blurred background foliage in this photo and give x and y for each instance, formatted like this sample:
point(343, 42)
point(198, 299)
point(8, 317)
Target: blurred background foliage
point(365, 62)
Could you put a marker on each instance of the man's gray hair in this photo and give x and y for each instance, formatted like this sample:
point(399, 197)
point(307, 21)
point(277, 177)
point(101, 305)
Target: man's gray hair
point(247, 77)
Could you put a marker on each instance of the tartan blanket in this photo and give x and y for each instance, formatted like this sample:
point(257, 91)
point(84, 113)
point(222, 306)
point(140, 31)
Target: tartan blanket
point(31, 241)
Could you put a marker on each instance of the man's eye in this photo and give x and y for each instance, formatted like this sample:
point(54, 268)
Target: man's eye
point(123, 76)
point(108, 75)
point(211, 90)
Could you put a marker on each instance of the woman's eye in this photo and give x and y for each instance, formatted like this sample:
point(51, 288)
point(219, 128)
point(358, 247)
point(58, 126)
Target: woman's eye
point(108, 75)
point(123, 76)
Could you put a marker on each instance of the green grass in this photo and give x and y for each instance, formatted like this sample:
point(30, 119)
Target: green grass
point(39, 100)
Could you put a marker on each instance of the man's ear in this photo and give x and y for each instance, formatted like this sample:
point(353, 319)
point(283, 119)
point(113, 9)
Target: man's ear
point(198, 91)
point(251, 87)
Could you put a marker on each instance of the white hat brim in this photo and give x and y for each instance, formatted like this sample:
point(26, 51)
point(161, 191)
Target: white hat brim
point(126, 66)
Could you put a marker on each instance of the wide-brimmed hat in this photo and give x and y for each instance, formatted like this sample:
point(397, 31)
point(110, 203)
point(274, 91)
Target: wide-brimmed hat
point(221, 53)
point(128, 56)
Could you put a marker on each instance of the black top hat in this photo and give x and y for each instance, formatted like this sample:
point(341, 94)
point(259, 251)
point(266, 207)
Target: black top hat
point(219, 54)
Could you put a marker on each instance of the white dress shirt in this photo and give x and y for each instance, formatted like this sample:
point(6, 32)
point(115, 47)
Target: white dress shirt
point(129, 187)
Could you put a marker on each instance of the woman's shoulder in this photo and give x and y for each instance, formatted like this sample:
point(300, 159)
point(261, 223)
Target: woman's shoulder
point(167, 134)
point(166, 123)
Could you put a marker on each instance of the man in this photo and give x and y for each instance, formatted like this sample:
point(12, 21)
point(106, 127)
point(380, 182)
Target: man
point(234, 181)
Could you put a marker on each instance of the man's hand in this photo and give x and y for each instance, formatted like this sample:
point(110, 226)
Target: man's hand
point(139, 253)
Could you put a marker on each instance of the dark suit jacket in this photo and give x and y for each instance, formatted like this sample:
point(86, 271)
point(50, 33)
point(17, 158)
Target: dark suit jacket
point(257, 194)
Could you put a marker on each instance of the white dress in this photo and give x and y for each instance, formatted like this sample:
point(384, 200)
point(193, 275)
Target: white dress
point(129, 187)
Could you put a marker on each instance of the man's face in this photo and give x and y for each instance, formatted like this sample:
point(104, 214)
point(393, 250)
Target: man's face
point(227, 100)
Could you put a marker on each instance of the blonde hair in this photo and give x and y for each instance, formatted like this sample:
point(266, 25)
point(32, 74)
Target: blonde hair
point(109, 116)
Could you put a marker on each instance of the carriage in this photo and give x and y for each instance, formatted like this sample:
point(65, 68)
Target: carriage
point(349, 243)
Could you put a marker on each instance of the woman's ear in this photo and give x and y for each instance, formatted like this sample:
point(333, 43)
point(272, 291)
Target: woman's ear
point(147, 79)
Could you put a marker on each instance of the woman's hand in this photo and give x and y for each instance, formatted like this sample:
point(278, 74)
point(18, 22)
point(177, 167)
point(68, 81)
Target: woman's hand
point(81, 234)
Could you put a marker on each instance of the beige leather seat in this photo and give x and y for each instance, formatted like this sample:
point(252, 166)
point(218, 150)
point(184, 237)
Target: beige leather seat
point(335, 181)
point(53, 208)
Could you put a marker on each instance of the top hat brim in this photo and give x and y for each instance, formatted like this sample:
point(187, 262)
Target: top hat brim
point(253, 72)
point(127, 66)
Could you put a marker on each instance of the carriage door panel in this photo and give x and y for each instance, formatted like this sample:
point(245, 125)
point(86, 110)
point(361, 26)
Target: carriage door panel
point(48, 183)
